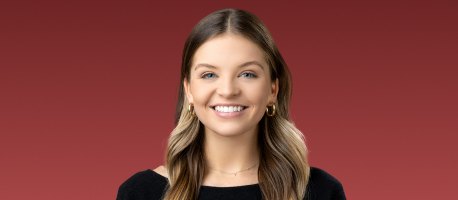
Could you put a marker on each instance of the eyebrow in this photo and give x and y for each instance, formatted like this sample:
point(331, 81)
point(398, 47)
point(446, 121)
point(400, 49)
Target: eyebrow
point(242, 65)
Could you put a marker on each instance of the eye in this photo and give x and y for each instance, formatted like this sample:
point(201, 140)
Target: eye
point(249, 75)
point(208, 75)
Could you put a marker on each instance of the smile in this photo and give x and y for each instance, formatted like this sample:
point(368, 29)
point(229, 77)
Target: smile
point(228, 111)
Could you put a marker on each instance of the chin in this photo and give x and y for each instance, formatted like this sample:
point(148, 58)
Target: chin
point(229, 134)
point(228, 130)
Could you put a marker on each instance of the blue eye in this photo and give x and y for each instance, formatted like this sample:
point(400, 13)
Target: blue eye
point(208, 75)
point(249, 75)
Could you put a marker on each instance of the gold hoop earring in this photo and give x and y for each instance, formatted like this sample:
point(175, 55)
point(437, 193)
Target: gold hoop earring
point(191, 111)
point(273, 109)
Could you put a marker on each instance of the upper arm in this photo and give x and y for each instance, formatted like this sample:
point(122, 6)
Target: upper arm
point(338, 193)
point(143, 185)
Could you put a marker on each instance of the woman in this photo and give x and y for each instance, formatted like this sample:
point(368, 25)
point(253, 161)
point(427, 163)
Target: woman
point(233, 137)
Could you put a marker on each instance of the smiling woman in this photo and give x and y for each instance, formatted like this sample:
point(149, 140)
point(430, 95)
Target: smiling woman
point(233, 137)
point(228, 71)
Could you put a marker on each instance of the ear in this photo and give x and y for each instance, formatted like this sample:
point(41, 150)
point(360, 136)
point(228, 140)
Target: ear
point(274, 91)
point(187, 90)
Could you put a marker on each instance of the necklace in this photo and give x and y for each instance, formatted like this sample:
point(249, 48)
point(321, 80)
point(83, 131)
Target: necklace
point(235, 174)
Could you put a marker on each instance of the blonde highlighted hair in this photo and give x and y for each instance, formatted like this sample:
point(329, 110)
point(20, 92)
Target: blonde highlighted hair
point(283, 169)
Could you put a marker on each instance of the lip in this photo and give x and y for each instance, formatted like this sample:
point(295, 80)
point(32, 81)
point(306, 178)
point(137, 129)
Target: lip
point(228, 114)
point(227, 104)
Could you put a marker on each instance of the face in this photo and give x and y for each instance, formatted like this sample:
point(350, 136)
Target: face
point(230, 85)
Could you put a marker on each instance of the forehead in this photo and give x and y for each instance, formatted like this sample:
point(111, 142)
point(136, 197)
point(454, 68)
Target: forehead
point(228, 50)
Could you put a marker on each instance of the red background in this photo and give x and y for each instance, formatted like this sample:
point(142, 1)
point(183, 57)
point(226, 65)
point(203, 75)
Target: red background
point(87, 91)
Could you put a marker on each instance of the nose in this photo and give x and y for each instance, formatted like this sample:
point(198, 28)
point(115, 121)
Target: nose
point(228, 88)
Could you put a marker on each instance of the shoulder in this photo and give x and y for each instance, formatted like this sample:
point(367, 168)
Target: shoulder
point(322, 185)
point(146, 184)
point(161, 170)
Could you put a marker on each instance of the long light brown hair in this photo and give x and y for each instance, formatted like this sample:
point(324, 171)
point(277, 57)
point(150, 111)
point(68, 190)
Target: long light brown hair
point(283, 169)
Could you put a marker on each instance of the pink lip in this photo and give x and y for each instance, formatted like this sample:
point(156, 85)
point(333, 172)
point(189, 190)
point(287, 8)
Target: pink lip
point(229, 114)
point(227, 104)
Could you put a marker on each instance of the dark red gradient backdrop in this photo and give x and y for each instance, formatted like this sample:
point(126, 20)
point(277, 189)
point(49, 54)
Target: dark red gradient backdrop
point(87, 91)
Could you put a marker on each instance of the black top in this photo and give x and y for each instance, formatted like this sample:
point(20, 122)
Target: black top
point(151, 186)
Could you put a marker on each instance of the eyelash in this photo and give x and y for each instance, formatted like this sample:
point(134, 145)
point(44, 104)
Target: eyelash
point(204, 76)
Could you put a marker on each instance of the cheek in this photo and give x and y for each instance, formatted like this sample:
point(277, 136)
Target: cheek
point(201, 94)
point(258, 94)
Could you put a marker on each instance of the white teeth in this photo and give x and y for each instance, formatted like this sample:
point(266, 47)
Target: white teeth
point(229, 108)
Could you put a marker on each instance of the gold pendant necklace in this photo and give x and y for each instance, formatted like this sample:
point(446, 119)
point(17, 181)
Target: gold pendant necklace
point(235, 174)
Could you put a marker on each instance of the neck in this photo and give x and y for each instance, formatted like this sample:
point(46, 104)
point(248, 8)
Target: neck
point(231, 153)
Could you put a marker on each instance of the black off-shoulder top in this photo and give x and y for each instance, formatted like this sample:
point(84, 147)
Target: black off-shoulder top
point(149, 185)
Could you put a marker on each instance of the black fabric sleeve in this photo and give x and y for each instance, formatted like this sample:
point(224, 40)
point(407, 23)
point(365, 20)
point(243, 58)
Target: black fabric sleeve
point(144, 185)
point(323, 186)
